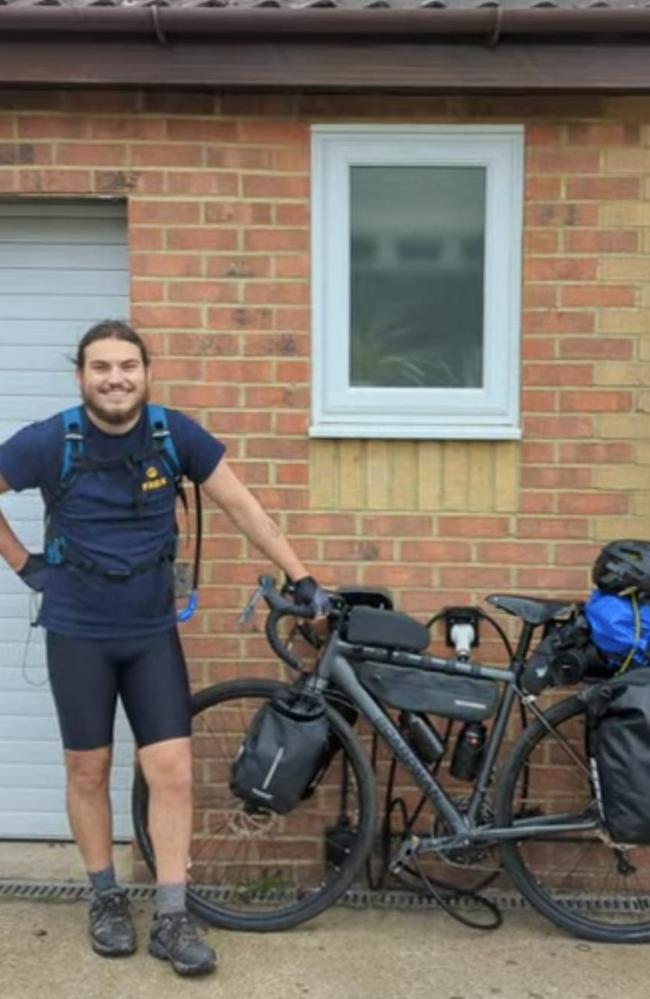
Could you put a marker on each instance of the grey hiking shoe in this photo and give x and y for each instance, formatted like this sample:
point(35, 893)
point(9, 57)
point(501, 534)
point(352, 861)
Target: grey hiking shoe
point(175, 938)
point(110, 924)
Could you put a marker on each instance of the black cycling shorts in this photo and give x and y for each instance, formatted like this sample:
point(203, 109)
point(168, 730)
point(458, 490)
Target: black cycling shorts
point(149, 674)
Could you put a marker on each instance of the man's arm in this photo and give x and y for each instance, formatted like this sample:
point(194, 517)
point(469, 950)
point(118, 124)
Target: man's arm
point(240, 505)
point(11, 549)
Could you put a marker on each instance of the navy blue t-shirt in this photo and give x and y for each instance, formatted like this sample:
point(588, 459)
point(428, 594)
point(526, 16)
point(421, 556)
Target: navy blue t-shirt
point(118, 518)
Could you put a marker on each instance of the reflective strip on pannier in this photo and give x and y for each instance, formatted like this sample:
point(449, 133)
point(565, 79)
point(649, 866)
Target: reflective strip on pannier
point(460, 697)
point(285, 747)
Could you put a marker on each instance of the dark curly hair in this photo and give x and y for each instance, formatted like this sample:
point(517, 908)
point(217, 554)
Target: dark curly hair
point(107, 329)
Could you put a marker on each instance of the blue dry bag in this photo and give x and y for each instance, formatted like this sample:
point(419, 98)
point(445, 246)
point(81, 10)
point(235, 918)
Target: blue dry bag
point(620, 628)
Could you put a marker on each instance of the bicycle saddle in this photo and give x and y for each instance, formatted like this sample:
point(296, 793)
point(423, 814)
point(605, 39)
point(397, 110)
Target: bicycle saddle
point(532, 610)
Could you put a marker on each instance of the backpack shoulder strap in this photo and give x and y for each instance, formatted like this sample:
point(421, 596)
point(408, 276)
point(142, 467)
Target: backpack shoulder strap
point(162, 438)
point(73, 442)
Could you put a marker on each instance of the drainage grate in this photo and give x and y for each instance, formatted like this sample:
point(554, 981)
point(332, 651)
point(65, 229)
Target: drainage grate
point(356, 898)
point(63, 891)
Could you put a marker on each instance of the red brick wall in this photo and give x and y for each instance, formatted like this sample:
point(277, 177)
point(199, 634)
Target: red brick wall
point(218, 209)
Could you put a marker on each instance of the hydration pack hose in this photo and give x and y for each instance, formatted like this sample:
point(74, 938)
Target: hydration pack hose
point(193, 600)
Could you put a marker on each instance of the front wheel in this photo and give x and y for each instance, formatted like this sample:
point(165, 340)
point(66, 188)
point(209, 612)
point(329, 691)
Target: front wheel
point(580, 881)
point(259, 870)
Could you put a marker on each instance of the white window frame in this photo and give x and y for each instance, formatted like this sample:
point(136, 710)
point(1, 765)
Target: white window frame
point(342, 410)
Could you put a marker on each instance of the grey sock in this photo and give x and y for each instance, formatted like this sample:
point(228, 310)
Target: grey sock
point(170, 898)
point(103, 881)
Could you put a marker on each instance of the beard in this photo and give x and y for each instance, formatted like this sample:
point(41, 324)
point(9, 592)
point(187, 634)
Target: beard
point(115, 417)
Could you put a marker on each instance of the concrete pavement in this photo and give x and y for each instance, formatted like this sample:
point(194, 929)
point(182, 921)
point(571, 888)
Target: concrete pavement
point(344, 953)
point(357, 953)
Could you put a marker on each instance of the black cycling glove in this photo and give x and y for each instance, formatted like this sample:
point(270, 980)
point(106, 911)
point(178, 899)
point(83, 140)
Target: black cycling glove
point(308, 592)
point(33, 573)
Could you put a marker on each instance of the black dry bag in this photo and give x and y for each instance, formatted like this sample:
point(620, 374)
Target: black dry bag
point(283, 751)
point(618, 713)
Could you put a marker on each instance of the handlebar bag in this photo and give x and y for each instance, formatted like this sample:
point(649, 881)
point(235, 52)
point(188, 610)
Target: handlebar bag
point(618, 717)
point(282, 752)
point(462, 697)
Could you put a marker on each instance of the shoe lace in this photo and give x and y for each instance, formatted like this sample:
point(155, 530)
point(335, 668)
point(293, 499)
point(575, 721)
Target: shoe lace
point(183, 929)
point(114, 905)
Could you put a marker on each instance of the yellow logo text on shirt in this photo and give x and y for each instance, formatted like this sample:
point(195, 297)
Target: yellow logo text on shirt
point(154, 480)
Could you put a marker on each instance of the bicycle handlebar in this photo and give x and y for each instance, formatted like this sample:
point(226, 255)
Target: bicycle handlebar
point(280, 607)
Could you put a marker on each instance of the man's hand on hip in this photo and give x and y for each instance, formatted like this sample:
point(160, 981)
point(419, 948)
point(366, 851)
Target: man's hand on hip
point(33, 573)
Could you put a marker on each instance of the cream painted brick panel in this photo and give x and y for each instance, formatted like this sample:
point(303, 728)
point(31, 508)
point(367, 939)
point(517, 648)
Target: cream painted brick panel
point(506, 476)
point(324, 475)
point(377, 475)
point(352, 474)
point(625, 321)
point(480, 476)
point(624, 213)
point(429, 476)
point(455, 477)
point(625, 269)
point(641, 507)
point(622, 477)
point(606, 528)
point(626, 160)
point(403, 485)
point(644, 348)
point(480, 481)
point(642, 453)
point(621, 373)
point(622, 425)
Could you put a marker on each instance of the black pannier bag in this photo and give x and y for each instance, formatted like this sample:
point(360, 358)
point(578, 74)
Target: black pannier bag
point(618, 713)
point(411, 689)
point(283, 752)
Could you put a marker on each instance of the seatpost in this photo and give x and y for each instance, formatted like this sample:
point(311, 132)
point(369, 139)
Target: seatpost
point(523, 643)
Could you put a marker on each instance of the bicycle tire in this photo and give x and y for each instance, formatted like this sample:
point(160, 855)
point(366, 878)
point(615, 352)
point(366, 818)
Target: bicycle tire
point(250, 875)
point(581, 883)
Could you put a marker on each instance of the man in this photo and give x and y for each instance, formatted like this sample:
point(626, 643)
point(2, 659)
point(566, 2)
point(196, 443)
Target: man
point(109, 613)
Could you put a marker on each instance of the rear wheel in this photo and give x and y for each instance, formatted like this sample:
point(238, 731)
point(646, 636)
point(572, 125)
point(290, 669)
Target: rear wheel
point(580, 881)
point(259, 870)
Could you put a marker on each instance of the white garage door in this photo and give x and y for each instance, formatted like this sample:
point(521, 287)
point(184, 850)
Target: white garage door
point(63, 266)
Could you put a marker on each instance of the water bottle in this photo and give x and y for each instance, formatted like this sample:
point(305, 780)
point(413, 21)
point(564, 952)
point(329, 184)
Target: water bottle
point(468, 753)
point(422, 737)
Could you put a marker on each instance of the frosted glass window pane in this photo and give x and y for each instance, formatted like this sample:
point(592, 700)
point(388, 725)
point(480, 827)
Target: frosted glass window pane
point(416, 285)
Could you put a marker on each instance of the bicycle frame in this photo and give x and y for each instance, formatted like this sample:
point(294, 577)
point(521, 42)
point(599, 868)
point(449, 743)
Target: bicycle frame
point(335, 665)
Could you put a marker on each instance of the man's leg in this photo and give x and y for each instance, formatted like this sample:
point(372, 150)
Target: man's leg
point(86, 712)
point(167, 767)
point(89, 805)
point(156, 696)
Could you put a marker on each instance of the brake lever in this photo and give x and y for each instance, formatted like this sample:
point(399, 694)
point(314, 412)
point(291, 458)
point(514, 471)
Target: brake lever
point(249, 610)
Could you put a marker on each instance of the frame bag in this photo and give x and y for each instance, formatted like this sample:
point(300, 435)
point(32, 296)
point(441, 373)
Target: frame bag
point(283, 752)
point(618, 713)
point(411, 689)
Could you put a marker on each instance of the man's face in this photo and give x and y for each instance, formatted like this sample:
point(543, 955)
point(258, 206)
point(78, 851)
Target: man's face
point(114, 381)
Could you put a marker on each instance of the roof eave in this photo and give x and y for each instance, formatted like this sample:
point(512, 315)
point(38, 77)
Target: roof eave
point(166, 23)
